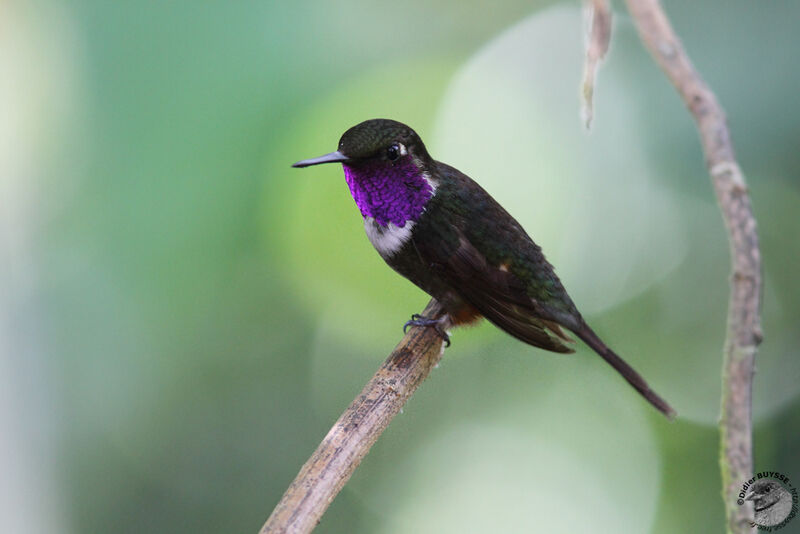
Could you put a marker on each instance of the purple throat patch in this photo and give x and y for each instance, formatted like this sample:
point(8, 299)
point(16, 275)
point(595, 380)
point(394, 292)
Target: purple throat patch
point(389, 193)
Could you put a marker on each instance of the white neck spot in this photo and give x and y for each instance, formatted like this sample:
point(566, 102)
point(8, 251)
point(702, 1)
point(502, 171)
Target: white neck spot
point(387, 240)
point(427, 177)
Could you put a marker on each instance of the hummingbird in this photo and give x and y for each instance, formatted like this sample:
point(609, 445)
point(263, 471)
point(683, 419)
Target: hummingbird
point(438, 228)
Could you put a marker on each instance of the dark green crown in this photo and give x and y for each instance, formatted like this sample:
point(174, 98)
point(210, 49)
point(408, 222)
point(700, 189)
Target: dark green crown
point(373, 136)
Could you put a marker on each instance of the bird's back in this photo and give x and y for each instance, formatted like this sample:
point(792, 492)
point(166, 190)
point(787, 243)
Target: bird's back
point(462, 203)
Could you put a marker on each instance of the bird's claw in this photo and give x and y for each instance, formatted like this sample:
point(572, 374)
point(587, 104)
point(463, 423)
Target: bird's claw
point(419, 320)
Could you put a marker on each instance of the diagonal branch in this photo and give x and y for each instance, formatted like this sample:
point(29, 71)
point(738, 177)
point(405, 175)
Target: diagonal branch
point(351, 437)
point(744, 323)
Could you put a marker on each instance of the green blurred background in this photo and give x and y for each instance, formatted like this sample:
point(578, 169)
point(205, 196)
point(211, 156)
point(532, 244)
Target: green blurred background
point(183, 316)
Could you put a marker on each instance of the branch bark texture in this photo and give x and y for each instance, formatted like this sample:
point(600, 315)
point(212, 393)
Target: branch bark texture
point(351, 437)
point(744, 323)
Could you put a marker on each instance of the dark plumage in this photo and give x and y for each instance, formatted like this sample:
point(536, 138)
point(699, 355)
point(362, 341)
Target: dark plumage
point(461, 246)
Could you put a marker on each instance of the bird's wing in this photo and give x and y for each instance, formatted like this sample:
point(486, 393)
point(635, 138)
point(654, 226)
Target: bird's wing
point(488, 259)
point(490, 285)
point(502, 297)
point(492, 263)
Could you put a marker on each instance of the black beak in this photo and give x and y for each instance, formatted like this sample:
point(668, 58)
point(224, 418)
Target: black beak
point(333, 157)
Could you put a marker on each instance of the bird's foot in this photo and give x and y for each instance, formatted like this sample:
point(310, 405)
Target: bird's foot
point(419, 320)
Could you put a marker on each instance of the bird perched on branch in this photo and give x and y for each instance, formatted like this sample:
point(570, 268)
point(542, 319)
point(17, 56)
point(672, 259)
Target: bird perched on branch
point(441, 230)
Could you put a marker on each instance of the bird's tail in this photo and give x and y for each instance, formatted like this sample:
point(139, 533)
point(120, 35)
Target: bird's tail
point(633, 378)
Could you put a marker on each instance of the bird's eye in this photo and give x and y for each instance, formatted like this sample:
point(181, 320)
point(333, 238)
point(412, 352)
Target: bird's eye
point(393, 152)
point(767, 489)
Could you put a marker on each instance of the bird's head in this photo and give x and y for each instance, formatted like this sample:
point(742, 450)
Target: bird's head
point(765, 493)
point(376, 141)
point(387, 168)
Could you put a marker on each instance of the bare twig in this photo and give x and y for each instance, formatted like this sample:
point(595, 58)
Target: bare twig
point(744, 328)
point(351, 437)
point(598, 17)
